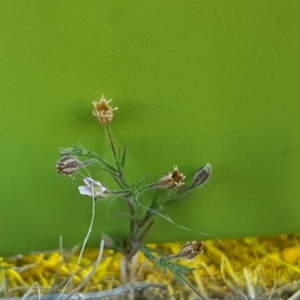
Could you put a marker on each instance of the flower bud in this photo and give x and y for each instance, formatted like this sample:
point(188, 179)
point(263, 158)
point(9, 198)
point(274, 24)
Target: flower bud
point(202, 176)
point(103, 111)
point(68, 165)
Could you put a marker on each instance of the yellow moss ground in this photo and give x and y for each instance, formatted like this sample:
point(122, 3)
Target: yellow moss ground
point(268, 267)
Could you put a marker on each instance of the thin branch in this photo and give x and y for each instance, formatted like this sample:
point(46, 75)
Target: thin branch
point(124, 289)
point(112, 145)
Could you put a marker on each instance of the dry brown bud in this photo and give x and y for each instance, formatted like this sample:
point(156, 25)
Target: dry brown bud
point(68, 165)
point(190, 250)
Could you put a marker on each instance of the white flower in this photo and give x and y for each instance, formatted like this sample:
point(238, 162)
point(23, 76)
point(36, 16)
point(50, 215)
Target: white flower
point(93, 188)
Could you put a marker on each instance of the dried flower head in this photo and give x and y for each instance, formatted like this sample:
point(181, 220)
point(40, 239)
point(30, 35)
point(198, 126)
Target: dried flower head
point(93, 188)
point(103, 111)
point(189, 250)
point(171, 180)
point(68, 165)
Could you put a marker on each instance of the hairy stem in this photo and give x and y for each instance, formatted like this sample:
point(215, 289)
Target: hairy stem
point(111, 143)
point(148, 187)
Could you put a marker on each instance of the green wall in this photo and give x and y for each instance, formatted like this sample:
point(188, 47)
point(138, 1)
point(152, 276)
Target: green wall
point(195, 81)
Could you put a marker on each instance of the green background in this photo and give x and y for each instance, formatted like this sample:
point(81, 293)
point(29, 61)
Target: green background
point(195, 81)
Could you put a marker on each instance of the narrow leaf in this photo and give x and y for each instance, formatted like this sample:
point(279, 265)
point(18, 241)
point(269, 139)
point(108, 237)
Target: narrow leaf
point(124, 157)
point(138, 184)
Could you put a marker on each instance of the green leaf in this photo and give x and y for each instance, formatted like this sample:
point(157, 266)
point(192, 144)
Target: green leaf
point(119, 154)
point(81, 151)
point(124, 156)
point(180, 278)
point(138, 184)
point(106, 170)
point(128, 186)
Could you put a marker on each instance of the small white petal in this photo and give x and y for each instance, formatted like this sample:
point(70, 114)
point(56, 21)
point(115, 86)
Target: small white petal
point(85, 190)
point(88, 181)
point(93, 188)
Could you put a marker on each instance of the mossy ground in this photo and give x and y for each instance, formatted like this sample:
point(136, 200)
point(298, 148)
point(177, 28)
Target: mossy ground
point(249, 268)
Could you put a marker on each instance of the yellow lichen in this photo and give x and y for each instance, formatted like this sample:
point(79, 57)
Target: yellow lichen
point(268, 262)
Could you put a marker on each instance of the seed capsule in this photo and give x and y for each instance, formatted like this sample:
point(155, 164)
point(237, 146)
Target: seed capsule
point(68, 165)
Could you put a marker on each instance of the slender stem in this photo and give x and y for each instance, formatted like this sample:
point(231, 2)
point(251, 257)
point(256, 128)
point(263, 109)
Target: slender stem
point(117, 180)
point(131, 212)
point(112, 145)
point(186, 189)
point(146, 231)
point(148, 186)
point(88, 162)
point(192, 287)
point(84, 242)
point(120, 180)
point(134, 226)
point(120, 192)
